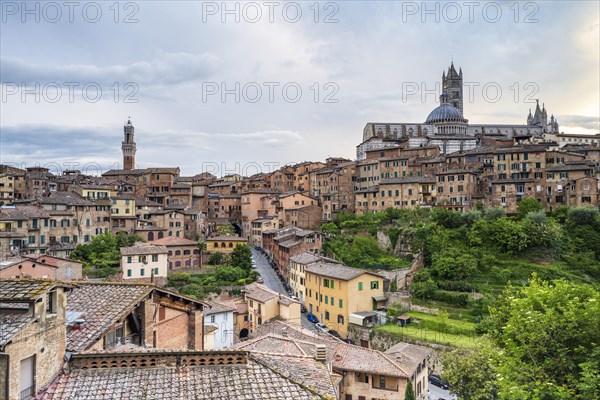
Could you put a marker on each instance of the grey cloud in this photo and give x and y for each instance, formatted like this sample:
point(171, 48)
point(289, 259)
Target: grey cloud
point(580, 121)
point(166, 68)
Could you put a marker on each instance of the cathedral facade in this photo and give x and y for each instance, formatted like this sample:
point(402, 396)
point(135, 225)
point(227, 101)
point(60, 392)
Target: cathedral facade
point(447, 128)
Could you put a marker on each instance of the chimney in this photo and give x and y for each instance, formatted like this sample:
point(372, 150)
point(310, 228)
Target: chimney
point(321, 353)
point(78, 324)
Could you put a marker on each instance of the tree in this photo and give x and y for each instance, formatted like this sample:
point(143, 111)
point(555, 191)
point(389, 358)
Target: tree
point(216, 258)
point(527, 205)
point(471, 373)
point(227, 230)
point(409, 393)
point(241, 257)
point(202, 248)
point(548, 336)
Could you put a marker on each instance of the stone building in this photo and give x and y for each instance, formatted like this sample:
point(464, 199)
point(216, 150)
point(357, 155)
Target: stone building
point(282, 244)
point(130, 316)
point(32, 336)
point(265, 304)
point(144, 262)
point(182, 253)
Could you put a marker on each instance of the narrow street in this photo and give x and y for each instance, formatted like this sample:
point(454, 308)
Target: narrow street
point(271, 280)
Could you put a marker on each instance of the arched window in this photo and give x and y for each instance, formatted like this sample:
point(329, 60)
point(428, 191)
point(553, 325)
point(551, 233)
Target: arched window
point(187, 263)
point(223, 244)
point(196, 263)
point(177, 264)
point(161, 235)
point(196, 251)
point(216, 245)
point(170, 233)
point(186, 252)
point(170, 253)
point(230, 244)
point(177, 252)
point(150, 236)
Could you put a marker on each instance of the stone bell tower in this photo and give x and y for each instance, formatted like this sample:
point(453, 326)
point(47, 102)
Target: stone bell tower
point(128, 147)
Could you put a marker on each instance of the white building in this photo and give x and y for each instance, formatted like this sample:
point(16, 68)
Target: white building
point(144, 261)
point(219, 330)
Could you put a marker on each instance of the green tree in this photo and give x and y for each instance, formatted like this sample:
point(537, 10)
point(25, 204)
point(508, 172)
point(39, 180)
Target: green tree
point(226, 229)
point(527, 205)
point(409, 393)
point(471, 373)
point(548, 336)
point(241, 257)
point(216, 258)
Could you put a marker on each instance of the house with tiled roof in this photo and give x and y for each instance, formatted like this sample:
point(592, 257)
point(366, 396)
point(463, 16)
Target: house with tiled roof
point(333, 292)
point(32, 335)
point(175, 375)
point(108, 316)
point(144, 262)
point(220, 317)
point(182, 252)
point(265, 304)
point(356, 372)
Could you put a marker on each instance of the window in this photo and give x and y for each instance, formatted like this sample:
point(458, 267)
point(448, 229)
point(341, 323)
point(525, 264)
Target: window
point(341, 303)
point(129, 272)
point(360, 286)
point(327, 315)
point(129, 260)
point(332, 301)
point(340, 319)
point(374, 285)
point(154, 257)
point(155, 271)
point(142, 272)
point(382, 381)
point(51, 302)
point(212, 319)
point(162, 311)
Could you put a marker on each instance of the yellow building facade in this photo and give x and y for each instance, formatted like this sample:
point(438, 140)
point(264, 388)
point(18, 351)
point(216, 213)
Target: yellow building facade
point(334, 291)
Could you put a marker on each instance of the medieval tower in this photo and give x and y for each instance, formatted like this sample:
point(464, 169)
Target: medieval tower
point(128, 147)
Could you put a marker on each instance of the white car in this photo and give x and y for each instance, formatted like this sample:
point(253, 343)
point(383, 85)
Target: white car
point(321, 327)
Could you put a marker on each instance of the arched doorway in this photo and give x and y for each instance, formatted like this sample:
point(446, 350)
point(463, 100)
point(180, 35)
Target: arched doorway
point(244, 333)
point(150, 236)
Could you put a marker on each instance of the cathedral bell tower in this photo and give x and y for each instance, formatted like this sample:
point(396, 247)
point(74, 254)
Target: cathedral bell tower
point(452, 85)
point(128, 147)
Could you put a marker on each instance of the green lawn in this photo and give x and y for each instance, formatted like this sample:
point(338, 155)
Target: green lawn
point(436, 329)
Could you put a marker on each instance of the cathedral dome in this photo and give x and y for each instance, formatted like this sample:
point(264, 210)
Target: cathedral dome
point(445, 113)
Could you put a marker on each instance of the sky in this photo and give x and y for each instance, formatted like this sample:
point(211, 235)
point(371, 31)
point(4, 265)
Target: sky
point(246, 87)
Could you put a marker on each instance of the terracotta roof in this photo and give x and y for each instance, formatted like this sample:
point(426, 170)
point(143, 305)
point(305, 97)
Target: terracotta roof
point(305, 258)
point(247, 377)
point(143, 248)
point(259, 292)
point(359, 359)
point(216, 308)
point(337, 271)
point(11, 324)
point(173, 241)
point(23, 290)
point(408, 355)
point(101, 306)
point(227, 237)
point(270, 338)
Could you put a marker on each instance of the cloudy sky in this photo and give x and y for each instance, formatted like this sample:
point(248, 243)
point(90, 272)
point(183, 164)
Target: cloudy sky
point(241, 86)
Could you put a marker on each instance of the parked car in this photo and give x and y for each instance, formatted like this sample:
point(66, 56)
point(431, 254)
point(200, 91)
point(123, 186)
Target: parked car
point(321, 327)
point(349, 341)
point(312, 318)
point(303, 309)
point(437, 381)
point(259, 280)
point(335, 334)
